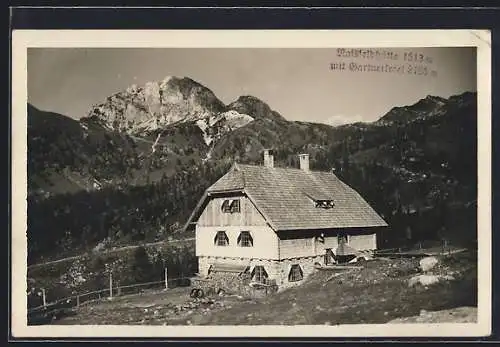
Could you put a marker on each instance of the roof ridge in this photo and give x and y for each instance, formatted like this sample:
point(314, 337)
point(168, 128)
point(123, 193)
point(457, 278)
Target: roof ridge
point(243, 178)
point(286, 168)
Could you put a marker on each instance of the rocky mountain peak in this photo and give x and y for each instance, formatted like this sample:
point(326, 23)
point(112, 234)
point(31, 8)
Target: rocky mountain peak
point(255, 107)
point(155, 105)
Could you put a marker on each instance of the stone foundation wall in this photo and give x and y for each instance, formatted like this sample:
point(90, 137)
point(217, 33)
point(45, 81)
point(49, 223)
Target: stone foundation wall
point(277, 270)
point(203, 266)
point(230, 283)
point(306, 264)
point(272, 266)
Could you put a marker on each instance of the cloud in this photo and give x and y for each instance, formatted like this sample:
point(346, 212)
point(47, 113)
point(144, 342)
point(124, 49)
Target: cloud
point(340, 119)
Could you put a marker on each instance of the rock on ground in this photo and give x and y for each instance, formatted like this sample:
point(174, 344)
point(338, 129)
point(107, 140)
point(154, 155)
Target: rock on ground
point(464, 314)
point(425, 280)
point(428, 263)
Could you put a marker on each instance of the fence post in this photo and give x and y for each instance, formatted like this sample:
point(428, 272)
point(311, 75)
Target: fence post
point(166, 278)
point(111, 285)
point(44, 298)
point(77, 300)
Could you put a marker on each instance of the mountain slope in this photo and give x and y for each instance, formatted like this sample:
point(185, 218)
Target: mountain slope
point(154, 149)
point(62, 149)
point(429, 106)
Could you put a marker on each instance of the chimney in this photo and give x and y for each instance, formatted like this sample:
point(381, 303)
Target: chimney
point(268, 158)
point(304, 162)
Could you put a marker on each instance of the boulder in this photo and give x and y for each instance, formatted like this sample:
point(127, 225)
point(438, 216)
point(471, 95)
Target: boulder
point(428, 263)
point(424, 280)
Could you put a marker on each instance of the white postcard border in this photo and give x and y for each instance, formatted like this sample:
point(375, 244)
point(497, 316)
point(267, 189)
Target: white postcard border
point(23, 39)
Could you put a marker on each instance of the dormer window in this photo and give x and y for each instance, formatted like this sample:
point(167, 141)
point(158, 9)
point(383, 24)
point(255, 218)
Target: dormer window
point(231, 206)
point(320, 199)
point(324, 203)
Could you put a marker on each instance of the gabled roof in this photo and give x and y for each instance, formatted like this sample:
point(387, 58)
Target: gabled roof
point(286, 198)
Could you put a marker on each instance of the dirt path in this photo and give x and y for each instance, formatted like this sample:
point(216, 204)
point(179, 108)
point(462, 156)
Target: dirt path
point(111, 251)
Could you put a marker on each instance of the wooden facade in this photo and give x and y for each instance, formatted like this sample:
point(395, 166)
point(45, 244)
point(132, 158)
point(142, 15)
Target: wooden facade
point(266, 243)
point(309, 243)
point(212, 215)
point(213, 219)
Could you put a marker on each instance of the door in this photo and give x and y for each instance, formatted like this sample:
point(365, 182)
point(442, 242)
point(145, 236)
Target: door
point(329, 257)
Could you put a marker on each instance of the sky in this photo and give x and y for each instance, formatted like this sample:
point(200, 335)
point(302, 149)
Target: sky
point(301, 84)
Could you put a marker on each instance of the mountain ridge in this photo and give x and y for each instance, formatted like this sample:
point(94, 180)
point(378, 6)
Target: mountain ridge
point(248, 124)
point(101, 182)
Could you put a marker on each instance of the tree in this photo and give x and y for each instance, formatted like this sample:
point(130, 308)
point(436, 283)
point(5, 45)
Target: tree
point(98, 267)
point(142, 269)
point(345, 161)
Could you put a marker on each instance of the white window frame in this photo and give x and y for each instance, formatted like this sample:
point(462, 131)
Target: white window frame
point(292, 267)
point(254, 274)
point(240, 238)
point(227, 206)
point(217, 238)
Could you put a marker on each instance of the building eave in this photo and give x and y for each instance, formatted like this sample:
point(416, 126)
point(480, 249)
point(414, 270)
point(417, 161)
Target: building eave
point(279, 229)
point(266, 217)
point(193, 218)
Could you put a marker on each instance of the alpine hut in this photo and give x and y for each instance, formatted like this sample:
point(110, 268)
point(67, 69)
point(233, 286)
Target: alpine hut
point(278, 224)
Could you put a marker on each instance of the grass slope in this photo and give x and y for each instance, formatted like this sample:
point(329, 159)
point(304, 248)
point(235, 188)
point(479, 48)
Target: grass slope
point(378, 293)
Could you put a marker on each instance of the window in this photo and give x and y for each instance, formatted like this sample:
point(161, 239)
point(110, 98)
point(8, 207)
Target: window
point(235, 206)
point(221, 239)
point(245, 239)
point(231, 206)
point(342, 238)
point(321, 238)
point(226, 206)
point(324, 203)
point(295, 273)
point(259, 274)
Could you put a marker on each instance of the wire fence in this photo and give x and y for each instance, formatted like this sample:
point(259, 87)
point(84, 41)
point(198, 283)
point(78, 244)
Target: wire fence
point(113, 290)
point(421, 248)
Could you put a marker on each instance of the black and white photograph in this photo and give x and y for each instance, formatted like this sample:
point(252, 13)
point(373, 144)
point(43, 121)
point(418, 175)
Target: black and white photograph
point(273, 184)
